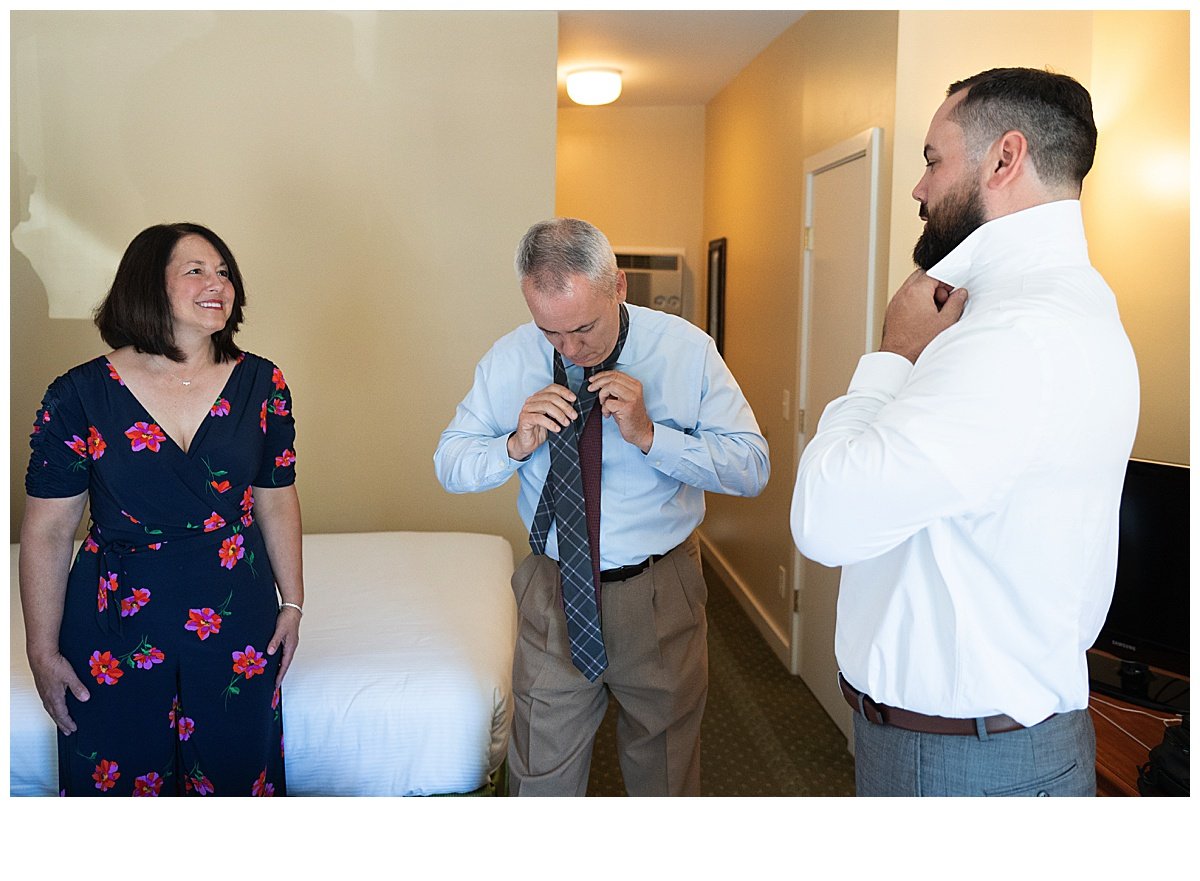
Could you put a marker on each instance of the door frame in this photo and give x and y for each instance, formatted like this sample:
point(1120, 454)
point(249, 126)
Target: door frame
point(866, 144)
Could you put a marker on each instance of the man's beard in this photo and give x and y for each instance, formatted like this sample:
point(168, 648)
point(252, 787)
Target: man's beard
point(959, 215)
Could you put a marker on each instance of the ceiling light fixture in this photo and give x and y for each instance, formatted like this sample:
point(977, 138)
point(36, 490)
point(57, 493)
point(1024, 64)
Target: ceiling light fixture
point(599, 85)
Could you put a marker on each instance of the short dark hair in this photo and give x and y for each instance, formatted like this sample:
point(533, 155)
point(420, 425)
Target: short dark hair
point(1052, 111)
point(136, 312)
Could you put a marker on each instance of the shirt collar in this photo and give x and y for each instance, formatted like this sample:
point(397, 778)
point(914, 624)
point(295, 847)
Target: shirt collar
point(1035, 239)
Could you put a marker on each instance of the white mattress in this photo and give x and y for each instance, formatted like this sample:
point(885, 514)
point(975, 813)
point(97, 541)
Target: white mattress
point(401, 684)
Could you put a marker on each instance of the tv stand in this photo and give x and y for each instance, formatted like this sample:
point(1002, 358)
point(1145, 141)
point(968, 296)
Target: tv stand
point(1138, 684)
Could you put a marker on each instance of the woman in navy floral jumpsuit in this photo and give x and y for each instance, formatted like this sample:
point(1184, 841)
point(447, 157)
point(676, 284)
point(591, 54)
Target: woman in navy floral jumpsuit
point(160, 655)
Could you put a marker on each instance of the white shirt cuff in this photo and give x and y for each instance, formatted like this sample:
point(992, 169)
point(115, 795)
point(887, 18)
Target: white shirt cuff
point(882, 373)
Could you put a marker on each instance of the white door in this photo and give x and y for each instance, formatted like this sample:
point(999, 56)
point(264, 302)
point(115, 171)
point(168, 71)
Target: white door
point(837, 326)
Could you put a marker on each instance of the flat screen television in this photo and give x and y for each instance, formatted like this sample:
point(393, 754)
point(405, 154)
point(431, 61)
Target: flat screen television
point(1146, 636)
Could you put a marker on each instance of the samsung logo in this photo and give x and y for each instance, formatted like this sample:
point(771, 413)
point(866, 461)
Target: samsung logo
point(1123, 645)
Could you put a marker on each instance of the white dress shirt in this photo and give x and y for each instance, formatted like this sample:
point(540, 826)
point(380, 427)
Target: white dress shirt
point(972, 498)
point(705, 435)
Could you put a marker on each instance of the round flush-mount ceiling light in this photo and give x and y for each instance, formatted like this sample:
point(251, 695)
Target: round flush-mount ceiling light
point(594, 86)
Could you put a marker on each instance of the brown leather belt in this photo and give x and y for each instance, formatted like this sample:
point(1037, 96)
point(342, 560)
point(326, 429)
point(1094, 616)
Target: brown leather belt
point(880, 714)
point(624, 573)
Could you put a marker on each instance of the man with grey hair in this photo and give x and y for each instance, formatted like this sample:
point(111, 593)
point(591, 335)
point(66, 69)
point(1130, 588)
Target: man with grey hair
point(969, 482)
point(604, 408)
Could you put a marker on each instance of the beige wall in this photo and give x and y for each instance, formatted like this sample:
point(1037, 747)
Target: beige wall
point(638, 174)
point(1136, 208)
point(1136, 199)
point(371, 183)
point(827, 78)
point(967, 43)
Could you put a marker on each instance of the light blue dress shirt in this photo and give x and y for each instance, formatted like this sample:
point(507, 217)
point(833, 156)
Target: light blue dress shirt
point(705, 435)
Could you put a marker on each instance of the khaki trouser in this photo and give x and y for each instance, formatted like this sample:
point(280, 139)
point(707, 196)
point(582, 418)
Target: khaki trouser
point(655, 635)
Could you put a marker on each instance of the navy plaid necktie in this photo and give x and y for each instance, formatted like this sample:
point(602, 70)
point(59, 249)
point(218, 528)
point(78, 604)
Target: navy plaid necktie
point(562, 502)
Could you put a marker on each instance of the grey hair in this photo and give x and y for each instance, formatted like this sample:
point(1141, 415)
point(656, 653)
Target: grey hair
point(553, 250)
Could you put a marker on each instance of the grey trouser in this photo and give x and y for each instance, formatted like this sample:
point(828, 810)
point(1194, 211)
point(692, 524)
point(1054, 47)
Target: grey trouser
point(1054, 757)
point(655, 635)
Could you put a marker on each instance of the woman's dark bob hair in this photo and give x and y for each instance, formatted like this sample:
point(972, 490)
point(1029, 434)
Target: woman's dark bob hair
point(136, 311)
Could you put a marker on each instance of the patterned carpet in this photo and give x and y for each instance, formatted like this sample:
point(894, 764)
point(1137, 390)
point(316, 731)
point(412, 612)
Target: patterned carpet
point(763, 734)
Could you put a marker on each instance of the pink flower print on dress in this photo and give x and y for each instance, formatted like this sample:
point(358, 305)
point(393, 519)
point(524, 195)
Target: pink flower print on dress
point(106, 775)
point(133, 603)
point(106, 668)
point(89, 545)
point(231, 551)
point(201, 784)
point(112, 372)
point(204, 621)
point(284, 459)
point(249, 663)
point(277, 378)
point(262, 418)
point(148, 785)
point(95, 443)
point(261, 787)
point(213, 523)
point(145, 436)
point(219, 408)
point(106, 585)
point(247, 505)
point(175, 708)
point(146, 660)
point(79, 445)
point(187, 727)
point(279, 406)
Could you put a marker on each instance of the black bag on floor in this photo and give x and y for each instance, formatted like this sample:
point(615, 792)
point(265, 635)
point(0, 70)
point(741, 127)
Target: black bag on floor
point(1167, 772)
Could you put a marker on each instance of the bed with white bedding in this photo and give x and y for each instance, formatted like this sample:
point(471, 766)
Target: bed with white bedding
point(401, 684)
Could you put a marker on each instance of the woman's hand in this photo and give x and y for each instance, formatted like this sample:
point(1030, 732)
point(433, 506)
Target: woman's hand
point(287, 636)
point(53, 676)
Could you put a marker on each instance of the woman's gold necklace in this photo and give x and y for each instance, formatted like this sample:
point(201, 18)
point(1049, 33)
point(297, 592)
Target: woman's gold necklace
point(186, 383)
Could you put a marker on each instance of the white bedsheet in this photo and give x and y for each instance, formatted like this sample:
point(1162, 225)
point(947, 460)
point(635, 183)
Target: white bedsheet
point(401, 685)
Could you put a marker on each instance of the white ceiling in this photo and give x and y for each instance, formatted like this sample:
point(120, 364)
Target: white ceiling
point(666, 57)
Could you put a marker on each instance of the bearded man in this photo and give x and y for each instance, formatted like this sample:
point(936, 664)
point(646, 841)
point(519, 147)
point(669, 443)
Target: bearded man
point(969, 482)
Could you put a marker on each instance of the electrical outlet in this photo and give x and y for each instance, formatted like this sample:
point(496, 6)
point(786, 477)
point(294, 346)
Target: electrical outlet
point(782, 582)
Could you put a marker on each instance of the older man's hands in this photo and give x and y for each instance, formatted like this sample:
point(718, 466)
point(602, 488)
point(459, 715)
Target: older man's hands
point(552, 408)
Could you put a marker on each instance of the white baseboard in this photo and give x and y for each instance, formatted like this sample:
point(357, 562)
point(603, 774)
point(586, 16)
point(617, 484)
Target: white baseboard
point(777, 640)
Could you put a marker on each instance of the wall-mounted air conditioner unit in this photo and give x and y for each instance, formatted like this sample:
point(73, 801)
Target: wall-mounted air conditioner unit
point(655, 277)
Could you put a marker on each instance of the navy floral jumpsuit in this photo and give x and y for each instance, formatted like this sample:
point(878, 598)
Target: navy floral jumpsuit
point(171, 600)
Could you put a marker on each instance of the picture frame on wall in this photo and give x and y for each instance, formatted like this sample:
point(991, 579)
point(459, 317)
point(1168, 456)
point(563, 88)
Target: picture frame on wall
point(716, 292)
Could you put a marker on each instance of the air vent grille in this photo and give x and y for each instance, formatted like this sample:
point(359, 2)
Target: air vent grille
point(667, 262)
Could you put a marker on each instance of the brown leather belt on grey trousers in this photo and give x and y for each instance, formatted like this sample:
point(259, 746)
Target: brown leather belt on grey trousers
point(881, 714)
